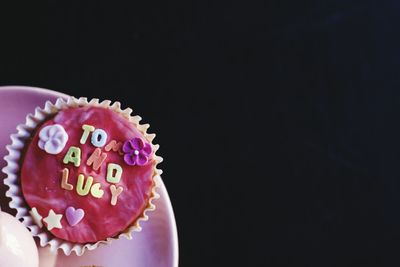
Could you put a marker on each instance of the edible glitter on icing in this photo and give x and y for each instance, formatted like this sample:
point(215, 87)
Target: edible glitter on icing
point(136, 152)
point(53, 139)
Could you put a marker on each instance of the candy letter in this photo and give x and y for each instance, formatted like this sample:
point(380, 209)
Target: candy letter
point(83, 191)
point(113, 177)
point(73, 155)
point(96, 191)
point(86, 130)
point(64, 180)
point(99, 138)
point(97, 158)
point(115, 192)
point(115, 146)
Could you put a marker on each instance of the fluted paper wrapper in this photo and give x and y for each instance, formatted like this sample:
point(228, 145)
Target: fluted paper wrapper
point(14, 157)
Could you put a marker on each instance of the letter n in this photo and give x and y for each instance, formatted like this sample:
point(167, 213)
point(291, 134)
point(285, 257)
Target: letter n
point(96, 159)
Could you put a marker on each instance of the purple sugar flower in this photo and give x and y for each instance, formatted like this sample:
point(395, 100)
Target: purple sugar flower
point(136, 152)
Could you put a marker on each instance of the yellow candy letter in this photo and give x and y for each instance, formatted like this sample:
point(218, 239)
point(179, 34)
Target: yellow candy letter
point(73, 155)
point(83, 190)
point(86, 130)
point(113, 177)
point(115, 192)
point(96, 191)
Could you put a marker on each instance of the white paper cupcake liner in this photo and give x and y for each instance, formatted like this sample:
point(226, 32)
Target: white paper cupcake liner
point(14, 158)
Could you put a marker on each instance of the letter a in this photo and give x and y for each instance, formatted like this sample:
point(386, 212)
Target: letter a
point(73, 155)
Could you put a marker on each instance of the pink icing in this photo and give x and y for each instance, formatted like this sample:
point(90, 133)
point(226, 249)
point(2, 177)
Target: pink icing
point(41, 178)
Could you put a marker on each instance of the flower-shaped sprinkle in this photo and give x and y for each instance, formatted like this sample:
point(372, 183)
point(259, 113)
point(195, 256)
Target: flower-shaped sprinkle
point(136, 152)
point(53, 139)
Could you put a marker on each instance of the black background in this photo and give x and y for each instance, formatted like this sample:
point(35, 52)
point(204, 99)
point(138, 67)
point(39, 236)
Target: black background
point(277, 120)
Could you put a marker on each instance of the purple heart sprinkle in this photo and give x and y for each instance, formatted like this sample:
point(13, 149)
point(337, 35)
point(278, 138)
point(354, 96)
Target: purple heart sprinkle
point(74, 216)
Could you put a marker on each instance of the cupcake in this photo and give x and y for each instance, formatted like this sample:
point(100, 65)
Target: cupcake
point(82, 173)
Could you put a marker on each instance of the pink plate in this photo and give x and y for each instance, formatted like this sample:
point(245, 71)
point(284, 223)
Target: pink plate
point(155, 246)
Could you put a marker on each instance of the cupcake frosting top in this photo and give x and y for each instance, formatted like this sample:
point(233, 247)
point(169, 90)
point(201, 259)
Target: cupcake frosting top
point(87, 174)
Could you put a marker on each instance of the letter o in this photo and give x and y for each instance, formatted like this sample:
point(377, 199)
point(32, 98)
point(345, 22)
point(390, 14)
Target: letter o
point(99, 138)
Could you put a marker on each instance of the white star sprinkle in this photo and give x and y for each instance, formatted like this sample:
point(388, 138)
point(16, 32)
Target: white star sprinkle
point(53, 220)
point(37, 218)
